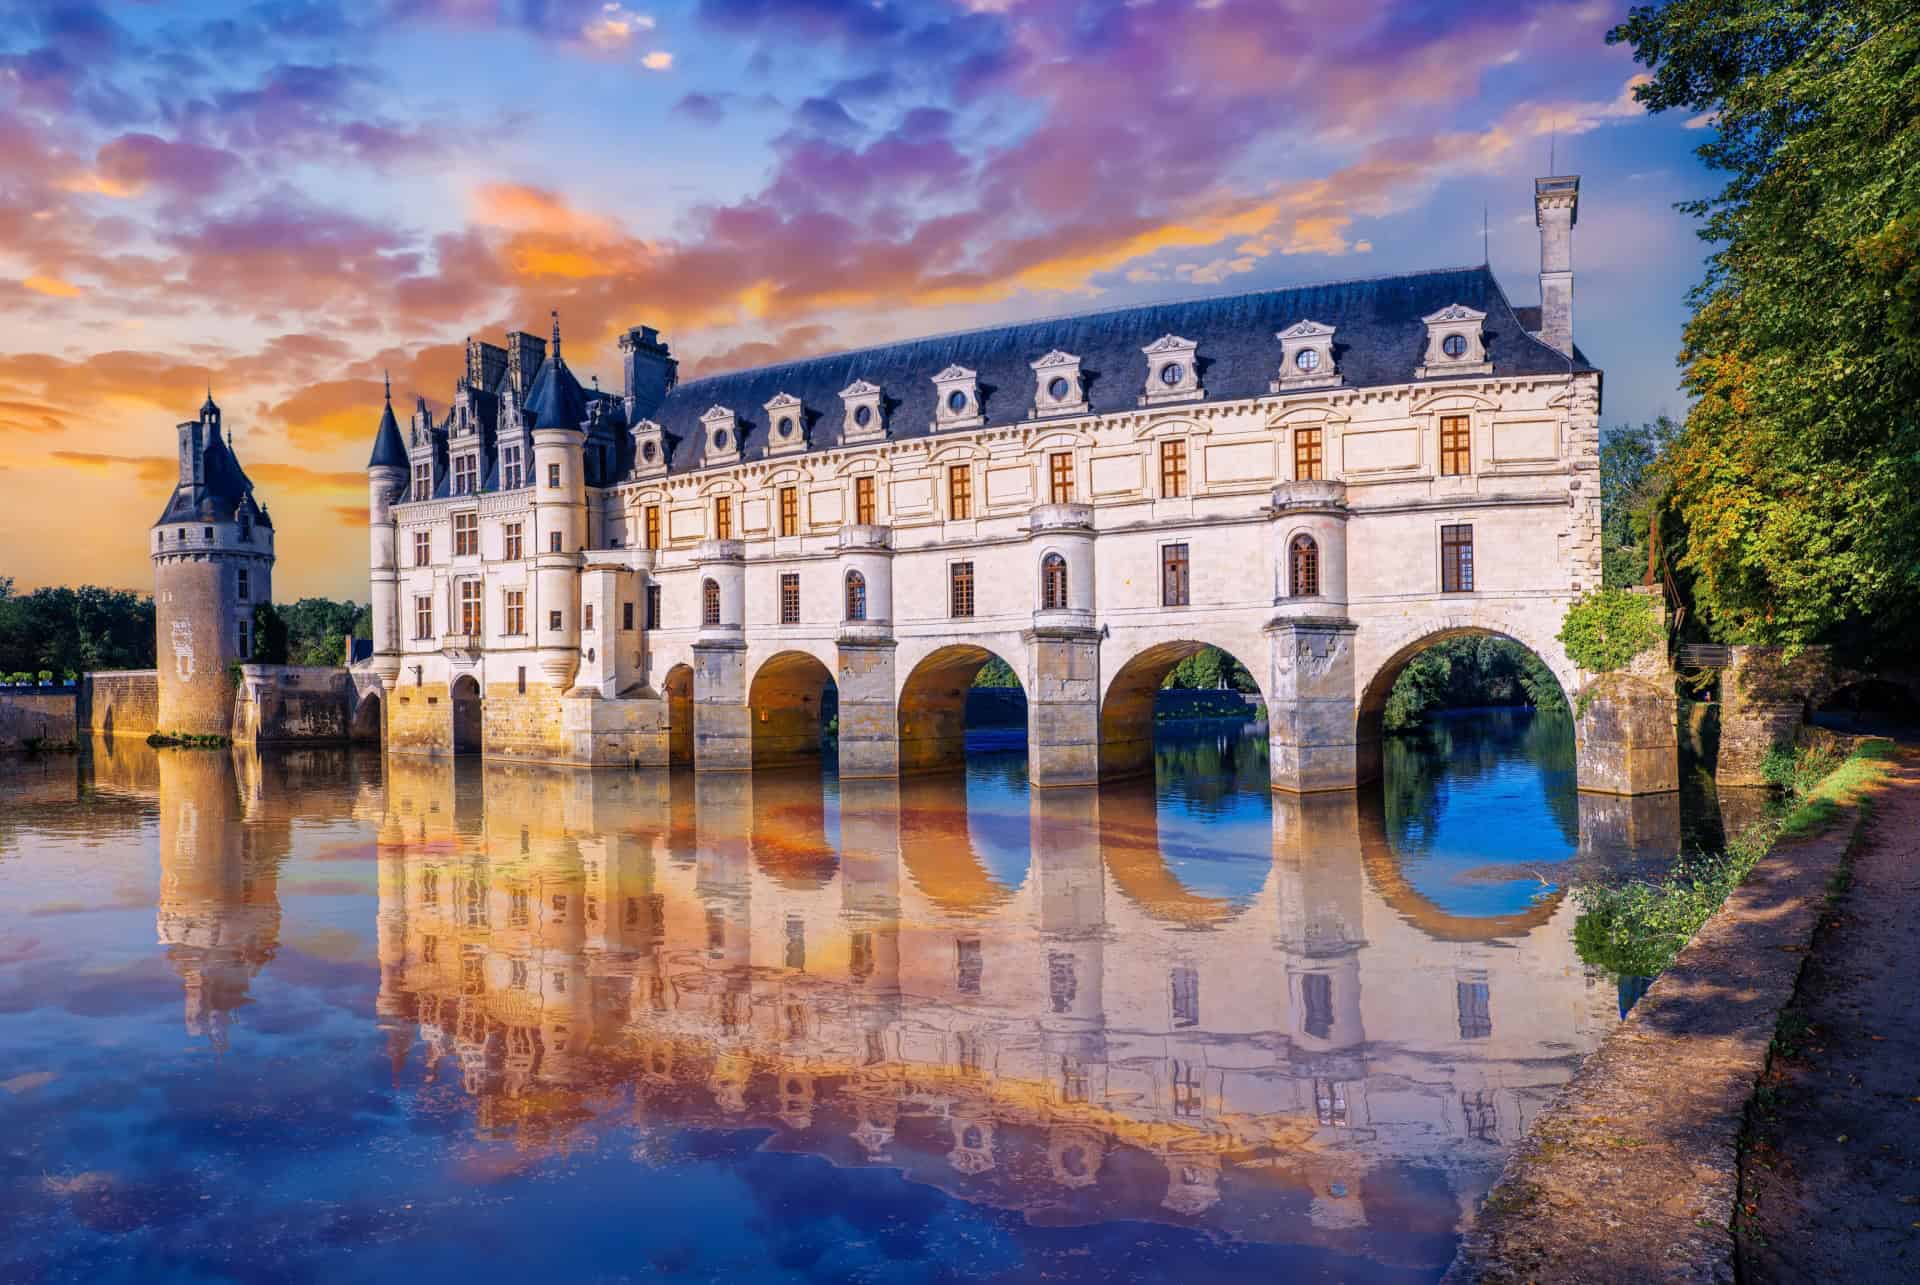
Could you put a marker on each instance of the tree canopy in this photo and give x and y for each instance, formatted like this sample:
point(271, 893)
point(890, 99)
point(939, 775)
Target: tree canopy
point(1796, 480)
point(72, 630)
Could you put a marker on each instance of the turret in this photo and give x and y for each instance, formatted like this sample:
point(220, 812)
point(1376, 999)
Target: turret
point(386, 480)
point(554, 409)
point(1556, 208)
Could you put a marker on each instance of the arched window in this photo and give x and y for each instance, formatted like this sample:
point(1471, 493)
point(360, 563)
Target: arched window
point(856, 596)
point(1304, 555)
point(1053, 583)
point(709, 602)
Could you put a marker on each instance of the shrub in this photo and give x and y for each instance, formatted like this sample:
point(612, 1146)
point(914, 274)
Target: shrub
point(1606, 629)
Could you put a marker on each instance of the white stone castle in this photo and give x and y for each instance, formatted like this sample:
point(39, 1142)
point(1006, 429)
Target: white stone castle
point(1320, 480)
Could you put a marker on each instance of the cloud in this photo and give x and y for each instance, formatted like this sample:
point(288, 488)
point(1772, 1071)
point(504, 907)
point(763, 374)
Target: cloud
point(54, 286)
point(613, 29)
point(658, 60)
point(146, 468)
point(702, 109)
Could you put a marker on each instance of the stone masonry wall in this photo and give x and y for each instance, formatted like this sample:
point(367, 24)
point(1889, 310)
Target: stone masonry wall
point(525, 726)
point(123, 702)
point(420, 720)
point(282, 704)
point(1763, 699)
point(37, 716)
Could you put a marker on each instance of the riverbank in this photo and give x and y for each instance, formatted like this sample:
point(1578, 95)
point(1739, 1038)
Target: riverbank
point(1633, 1172)
point(1830, 1178)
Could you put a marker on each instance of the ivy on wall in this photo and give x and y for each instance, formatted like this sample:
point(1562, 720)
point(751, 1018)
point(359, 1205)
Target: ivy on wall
point(1607, 628)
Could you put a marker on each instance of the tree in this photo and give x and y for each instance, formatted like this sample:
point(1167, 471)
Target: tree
point(1633, 484)
point(317, 630)
point(1796, 479)
point(72, 630)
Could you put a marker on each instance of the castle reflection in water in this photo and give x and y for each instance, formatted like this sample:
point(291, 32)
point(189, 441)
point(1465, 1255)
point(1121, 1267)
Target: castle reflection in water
point(1080, 1005)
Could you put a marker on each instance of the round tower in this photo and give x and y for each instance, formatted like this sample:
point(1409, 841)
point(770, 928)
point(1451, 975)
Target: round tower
point(212, 554)
point(555, 410)
point(386, 479)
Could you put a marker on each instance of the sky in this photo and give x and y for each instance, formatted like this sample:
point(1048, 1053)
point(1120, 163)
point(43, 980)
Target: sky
point(285, 200)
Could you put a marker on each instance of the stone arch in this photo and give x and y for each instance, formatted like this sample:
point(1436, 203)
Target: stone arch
point(1372, 691)
point(784, 705)
point(677, 688)
point(1127, 708)
point(466, 716)
point(933, 706)
point(369, 720)
point(1132, 848)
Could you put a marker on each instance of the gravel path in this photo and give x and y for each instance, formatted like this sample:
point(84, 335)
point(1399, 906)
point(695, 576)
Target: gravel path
point(1831, 1187)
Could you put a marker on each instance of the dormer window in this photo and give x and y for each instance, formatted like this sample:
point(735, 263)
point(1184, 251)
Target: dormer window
point(957, 399)
point(1058, 388)
point(1172, 371)
point(722, 433)
point(786, 425)
point(862, 421)
point(1306, 357)
point(649, 449)
point(1456, 344)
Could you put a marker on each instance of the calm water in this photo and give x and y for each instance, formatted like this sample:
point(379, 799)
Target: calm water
point(281, 1017)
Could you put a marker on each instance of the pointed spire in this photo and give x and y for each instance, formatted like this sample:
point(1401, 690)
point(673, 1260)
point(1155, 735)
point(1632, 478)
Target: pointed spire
point(387, 375)
point(556, 334)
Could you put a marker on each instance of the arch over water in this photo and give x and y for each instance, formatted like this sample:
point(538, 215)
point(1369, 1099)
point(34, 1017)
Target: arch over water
point(933, 707)
point(677, 687)
point(1127, 711)
point(466, 714)
point(369, 721)
point(1167, 870)
point(784, 706)
point(966, 859)
point(1386, 872)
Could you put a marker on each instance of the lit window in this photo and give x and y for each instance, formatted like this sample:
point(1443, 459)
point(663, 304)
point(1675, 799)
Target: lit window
point(1173, 469)
point(789, 598)
point(1060, 477)
point(723, 517)
point(470, 608)
point(960, 588)
point(653, 526)
point(959, 491)
point(1456, 559)
point(1303, 557)
point(863, 498)
point(1455, 455)
point(1053, 583)
point(789, 510)
point(709, 603)
point(466, 534)
point(1307, 455)
point(856, 596)
point(515, 545)
point(1174, 586)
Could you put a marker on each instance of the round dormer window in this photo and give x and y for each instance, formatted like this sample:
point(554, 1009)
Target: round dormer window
point(1307, 359)
point(720, 439)
point(1454, 346)
point(957, 401)
point(1172, 373)
point(786, 426)
point(1058, 388)
point(649, 452)
point(863, 415)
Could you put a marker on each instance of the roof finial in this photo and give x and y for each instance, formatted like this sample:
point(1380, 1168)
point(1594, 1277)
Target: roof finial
point(387, 375)
point(556, 334)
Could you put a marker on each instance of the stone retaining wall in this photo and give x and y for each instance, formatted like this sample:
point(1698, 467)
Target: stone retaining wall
point(28, 716)
point(121, 702)
point(293, 704)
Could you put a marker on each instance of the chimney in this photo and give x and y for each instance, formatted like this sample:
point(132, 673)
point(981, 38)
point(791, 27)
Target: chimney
point(191, 446)
point(1556, 208)
point(525, 355)
point(651, 371)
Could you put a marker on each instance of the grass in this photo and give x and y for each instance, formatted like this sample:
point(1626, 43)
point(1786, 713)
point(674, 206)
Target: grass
point(1636, 930)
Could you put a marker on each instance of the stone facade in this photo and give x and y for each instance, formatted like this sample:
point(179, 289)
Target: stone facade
point(1090, 500)
point(121, 702)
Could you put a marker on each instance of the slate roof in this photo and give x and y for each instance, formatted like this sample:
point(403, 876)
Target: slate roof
point(389, 448)
point(1379, 339)
point(554, 398)
point(225, 488)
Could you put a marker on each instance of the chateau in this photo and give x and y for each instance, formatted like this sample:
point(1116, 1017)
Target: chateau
point(1320, 480)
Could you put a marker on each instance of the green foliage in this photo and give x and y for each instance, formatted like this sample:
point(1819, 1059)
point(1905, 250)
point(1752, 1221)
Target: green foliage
point(1796, 769)
point(1633, 484)
point(1482, 670)
point(317, 630)
point(74, 630)
point(269, 635)
point(1210, 669)
point(1796, 480)
point(1607, 628)
point(996, 673)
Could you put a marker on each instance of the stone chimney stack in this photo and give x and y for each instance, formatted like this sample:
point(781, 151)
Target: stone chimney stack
point(1556, 208)
point(651, 371)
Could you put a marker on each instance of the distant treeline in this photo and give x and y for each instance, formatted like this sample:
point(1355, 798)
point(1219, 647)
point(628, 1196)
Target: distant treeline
point(65, 631)
point(1206, 669)
point(1482, 670)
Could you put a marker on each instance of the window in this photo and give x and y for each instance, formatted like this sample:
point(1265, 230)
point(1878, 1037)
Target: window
point(554, 540)
point(626, 616)
point(1174, 586)
point(789, 510)
point(515, 545)
point(1187, 1098)
point(422, 548)
point(1173, 469)
point(1062, 986)
point(1456, 559)
point(466, 474)
point(709, 603)
point(1316, 996)
point(514, 601)
point(1053, 583)
point(959, 491)
point(856, 596)
point(863, 500)
point(1184, 983)
point(1330, 1101)
point(244, 639)
point(470, 608)
point(1454, 346)
point(789, 598)
point(553, 621)
point(423, 617)
point(423, 480)
point(653, 526)
point(653, 606)
point(960, 589)
point(245, 586)
point(1308, 455)
point(723, 517)
point(1473, 1000)
point(1303, 559)
point(553, 477)
point(466, 534)
point(1455, 457)
point(586, 618)
point(511, 476)
point(520, 677)
point(1060, 477)
point(967, 965)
